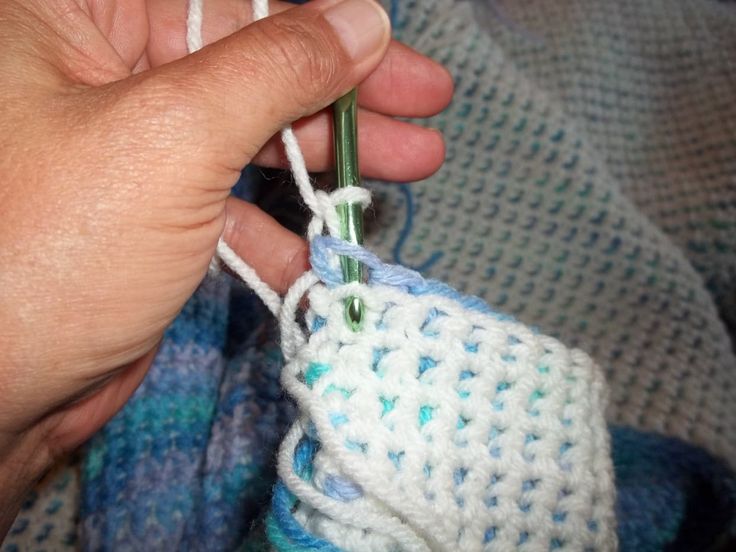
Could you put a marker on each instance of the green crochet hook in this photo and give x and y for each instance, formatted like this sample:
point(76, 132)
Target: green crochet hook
point(350, 214)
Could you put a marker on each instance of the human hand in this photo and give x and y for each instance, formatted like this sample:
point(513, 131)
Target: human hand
point(117, 154)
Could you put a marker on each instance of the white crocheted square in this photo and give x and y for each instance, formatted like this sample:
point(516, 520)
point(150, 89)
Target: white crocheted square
point(445, 428)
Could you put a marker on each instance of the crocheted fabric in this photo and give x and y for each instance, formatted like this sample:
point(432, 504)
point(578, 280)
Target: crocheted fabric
point(442, 426)
point(588, 191)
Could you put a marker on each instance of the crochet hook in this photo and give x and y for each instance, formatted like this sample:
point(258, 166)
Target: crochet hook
point(350, 214)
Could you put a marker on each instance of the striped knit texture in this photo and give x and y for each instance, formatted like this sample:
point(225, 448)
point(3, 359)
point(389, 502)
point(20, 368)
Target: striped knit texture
point(188, 460)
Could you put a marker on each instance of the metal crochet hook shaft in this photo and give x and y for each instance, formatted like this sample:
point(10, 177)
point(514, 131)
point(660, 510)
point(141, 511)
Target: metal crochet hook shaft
point(350, 214)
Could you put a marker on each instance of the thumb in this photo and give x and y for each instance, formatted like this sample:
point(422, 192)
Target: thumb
point(242, 89)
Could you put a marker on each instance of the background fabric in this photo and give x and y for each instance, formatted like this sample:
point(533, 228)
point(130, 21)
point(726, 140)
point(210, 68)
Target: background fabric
point(573, 148)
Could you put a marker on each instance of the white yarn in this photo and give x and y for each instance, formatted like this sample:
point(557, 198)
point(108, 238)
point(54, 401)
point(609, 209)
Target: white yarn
point(260, 9)
point(224, 253)
point(247, 274)
point(291, 334)
point(194, 25)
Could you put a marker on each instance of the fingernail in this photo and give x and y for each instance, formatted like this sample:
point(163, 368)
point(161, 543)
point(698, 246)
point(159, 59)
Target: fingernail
point(362, 26)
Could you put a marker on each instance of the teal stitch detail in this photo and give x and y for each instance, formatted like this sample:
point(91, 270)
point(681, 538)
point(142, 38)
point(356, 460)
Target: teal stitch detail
point(471, 347)
point(459, 475)
point(558, 136)
point(506, 102)
point(378, 355)
point(387, 405)
point(396, 458)
point(54, 506)
point(538, 394)
point(332, 388)
point(356, 446)
point(95, 462)
point(337, 419)
point(426, 363)
point(556, 544)
point(314, 372)
point(318, 323)
point(426, 413)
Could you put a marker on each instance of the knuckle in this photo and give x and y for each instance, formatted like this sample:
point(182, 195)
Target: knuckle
point(304, 54)
point(157, 109)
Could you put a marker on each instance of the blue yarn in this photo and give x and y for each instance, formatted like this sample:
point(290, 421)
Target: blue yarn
point(284, 531)
point(406, 230)
point(324, 247)
point(470, 302)
point(277, 539)
point(189, 460)
point(341, 489)
point(303, 456)
point(298, 538)
point(668, 491)
point(379, 273)
point(670, 495)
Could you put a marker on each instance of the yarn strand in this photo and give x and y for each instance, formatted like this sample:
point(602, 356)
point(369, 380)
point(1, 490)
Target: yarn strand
point(322, 205)
point(194, 25)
